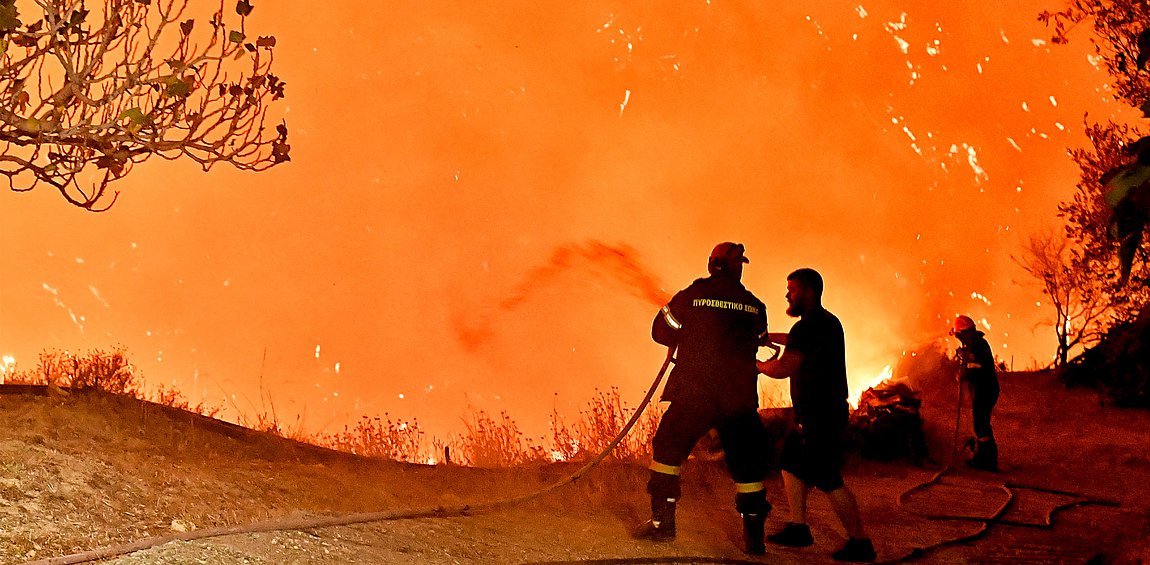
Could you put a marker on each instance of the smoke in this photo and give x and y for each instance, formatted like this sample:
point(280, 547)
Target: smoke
point(930, 372)
point(902, 150)
point(617, 265)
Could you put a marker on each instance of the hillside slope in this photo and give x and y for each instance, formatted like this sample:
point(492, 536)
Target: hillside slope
point(86, 471)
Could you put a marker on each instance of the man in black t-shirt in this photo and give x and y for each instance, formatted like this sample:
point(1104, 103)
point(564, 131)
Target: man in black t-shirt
point(815, 362)
point(716, 327)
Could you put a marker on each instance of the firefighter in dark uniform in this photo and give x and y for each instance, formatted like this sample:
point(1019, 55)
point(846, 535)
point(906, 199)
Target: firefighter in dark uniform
point(976, 370)
point(717, 326)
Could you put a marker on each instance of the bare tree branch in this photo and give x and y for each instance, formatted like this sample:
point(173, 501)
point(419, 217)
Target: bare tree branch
point(1081, 311)
point(85, 96)
point(1089, 274)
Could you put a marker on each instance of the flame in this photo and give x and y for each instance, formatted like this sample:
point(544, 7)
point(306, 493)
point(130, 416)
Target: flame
point(562, 452)
point(7, 367)
point(472, 229)
point(882, 377)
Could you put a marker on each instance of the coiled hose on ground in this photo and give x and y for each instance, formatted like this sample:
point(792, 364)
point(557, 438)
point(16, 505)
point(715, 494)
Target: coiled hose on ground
point(986, 522)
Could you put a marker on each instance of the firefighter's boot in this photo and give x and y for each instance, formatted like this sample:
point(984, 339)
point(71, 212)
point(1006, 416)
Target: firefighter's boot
point(751, 502)
point(661, 526)
point(985, 455)
point(753, 525)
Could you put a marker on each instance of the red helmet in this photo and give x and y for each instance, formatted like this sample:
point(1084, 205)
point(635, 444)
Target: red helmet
point(963, 324)
point(726, 256)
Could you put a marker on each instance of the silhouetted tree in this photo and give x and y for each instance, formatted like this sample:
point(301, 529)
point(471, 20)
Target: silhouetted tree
point(1077, 296)
point(84, 96)
point(1105, 219)
point(1121, 165)
point(1104, 245)
point(1119, 37)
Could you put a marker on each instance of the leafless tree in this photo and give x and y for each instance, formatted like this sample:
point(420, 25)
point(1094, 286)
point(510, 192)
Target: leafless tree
point(1110, 209)
point(1081, 312)
point(1115, 170)
point(85, 96)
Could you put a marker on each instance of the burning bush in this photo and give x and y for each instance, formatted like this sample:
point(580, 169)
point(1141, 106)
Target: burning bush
point(913, 414)
point(888, 424)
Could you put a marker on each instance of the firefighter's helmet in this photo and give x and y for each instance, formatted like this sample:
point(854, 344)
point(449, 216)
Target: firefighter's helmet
point(726, 256)
point(963, 324)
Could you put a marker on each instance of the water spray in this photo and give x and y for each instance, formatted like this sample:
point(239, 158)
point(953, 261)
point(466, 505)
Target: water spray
point(617, 263)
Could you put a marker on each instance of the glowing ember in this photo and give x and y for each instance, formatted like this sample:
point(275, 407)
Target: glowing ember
point(511, 240)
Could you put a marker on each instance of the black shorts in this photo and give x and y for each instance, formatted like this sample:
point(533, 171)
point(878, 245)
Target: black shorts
point(815, 456)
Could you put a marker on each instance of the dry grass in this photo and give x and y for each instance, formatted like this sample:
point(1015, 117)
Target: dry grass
point(170, 396)
point(774, 394)
point(109, 371)
point(378, 437)
point(488, 441)
point(496, 441)
point(604, 417)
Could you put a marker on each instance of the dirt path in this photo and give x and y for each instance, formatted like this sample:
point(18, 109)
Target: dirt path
point(83, 472)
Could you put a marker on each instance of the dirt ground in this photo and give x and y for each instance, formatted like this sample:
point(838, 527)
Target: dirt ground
point(79, 472)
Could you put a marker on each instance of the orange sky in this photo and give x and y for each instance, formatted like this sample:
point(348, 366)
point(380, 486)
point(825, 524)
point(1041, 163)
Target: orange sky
point(440, 154)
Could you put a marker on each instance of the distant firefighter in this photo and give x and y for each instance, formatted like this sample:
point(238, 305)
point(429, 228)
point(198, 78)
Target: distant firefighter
point(717, 326)
point(976, 370)
point(815, 363)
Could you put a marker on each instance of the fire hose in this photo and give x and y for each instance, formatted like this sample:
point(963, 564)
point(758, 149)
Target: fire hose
point(315, 522)
point(997, 517)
